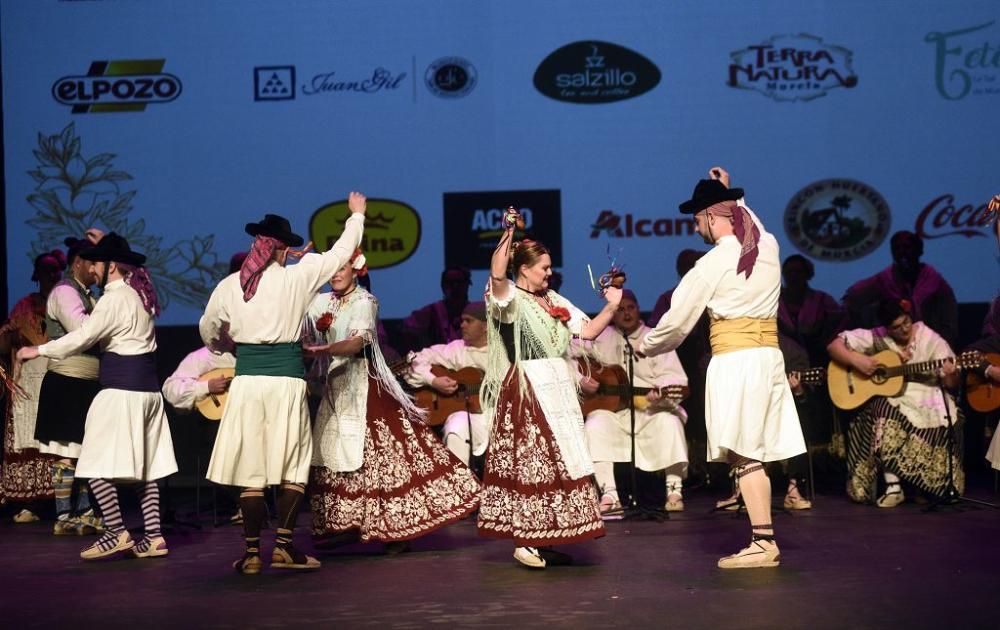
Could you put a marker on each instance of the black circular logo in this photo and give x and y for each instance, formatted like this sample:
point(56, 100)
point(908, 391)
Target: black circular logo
point(451, 77)
point(837, 220)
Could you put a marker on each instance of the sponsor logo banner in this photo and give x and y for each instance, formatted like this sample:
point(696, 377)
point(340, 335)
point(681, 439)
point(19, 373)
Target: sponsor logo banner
point(943, 217)
point(617, 225)
point(837, 220)
point(792, 68)
point(473, 223)
point(336, 82)
point(126, 85)
point(392, 230)
point(451, 77)
point(966, 62)
point(594, 72)
point(274, 83)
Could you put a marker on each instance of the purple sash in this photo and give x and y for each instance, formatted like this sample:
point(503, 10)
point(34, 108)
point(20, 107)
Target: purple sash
point(134, 373)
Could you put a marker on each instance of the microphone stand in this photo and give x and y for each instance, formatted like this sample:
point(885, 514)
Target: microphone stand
point(950, 495)
point(634, 511)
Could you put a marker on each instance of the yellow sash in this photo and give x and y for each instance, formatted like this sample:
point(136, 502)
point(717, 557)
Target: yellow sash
point(741, 333)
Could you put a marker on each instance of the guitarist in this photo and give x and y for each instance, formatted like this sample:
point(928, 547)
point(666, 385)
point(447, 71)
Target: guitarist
point(883, 434)
point(659, 438)
point(469, 351)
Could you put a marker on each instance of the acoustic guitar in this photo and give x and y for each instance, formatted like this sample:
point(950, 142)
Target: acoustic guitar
point(983, 394)
point(213, 405)
point(613, 390)
point(439, 406)
point(849, 389)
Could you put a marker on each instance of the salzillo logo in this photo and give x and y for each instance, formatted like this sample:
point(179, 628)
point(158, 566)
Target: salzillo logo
point(960, 71)
point(593, 72)
point(617, 226)
point(837, 220)
point(451, 77)
point(473, 223)
point(941, 217)
point(274, 83)
point(117, 86)
point(792, 68)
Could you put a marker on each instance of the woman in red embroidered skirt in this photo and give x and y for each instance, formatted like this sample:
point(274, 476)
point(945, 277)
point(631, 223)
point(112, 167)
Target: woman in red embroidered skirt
point(537, 487)
point(378, 472)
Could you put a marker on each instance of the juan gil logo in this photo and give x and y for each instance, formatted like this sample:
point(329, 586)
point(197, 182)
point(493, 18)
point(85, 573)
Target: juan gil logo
point(594, 72)
point(117, 86)
point(792, 68)
point(964, 66)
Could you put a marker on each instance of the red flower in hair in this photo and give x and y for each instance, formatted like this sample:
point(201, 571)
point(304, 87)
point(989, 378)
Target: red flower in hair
point(560, 313)
point(905, 305)
point(324, 322)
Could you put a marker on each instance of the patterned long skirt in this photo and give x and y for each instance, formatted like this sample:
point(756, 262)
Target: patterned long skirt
point(881, 439)
point(408, 486)
point(528, 495)
point(26, 475)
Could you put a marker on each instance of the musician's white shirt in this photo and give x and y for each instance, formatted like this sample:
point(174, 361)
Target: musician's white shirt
point(452, 356)
point(182, 389)
point(921, 403)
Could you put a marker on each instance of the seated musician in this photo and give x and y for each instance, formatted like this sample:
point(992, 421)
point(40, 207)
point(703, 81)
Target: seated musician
point(990, 373)
point(659, 439)
point(904, 436)
point(469, 351)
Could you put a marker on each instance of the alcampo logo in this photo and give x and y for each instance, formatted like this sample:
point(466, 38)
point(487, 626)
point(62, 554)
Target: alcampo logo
point(117, 86)
point(593, 72)
point(618, 226)
point(392, 230)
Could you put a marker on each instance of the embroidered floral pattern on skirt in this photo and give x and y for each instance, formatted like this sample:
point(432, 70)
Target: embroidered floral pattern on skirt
point(26, 474)
point(527, 494)
point(408, 485)
point(882, 439)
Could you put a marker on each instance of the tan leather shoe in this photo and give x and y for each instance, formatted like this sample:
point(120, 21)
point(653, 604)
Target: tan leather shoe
point(529, 557)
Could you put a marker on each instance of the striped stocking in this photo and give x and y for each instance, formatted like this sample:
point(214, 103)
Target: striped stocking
point(106, 496)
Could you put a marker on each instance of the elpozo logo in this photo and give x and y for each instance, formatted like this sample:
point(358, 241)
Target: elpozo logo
point(392, 230)
point(837, 220)
point(615, 225)
point(595, 72)
point(451, 77)
point(117, 86)
point(792, 68)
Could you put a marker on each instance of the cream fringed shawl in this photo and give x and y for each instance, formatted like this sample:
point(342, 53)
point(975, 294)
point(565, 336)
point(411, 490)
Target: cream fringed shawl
point(338, 436)
point(541, 344)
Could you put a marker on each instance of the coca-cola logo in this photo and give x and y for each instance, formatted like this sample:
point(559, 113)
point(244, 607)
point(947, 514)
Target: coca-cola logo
point(941, 217)
point(837, 220)
point(594, 72)
point(792, 68)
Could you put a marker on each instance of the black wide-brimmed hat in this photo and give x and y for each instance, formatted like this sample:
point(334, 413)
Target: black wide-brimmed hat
point(113, 248)
point(277, 227)
point(707, 193)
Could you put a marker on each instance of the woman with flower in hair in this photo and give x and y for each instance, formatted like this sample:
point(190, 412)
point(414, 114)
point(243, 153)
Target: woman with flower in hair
point(378, 472)
point(905, 436)
point(537, 487)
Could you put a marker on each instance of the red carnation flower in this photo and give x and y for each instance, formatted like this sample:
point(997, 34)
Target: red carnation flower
point(560, 313)
point(324, 322)
point(905, 305)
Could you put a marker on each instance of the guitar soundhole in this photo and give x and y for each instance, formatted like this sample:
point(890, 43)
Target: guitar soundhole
point(879, 377)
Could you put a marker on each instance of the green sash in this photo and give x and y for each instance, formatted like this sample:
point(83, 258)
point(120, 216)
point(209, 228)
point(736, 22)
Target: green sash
point(274, 359)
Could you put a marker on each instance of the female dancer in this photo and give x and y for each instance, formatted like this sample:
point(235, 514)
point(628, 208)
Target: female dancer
point(537, 487)
point(378, 472)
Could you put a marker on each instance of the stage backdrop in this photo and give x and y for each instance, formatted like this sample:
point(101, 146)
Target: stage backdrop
point(178, 122)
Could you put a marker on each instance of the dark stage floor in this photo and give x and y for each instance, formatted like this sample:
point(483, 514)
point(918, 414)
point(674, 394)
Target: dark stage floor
point(843, 566)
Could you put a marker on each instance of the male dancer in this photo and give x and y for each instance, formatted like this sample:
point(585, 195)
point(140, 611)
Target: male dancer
point(264, 437)
point(68, 389)
point(750, 414)
point(127, 437)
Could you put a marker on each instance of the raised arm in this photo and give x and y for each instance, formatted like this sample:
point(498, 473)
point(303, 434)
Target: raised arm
point(686, 306)
point(319, 268)
point(499, 286)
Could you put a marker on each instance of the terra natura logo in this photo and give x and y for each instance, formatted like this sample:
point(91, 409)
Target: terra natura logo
point(837, 220)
